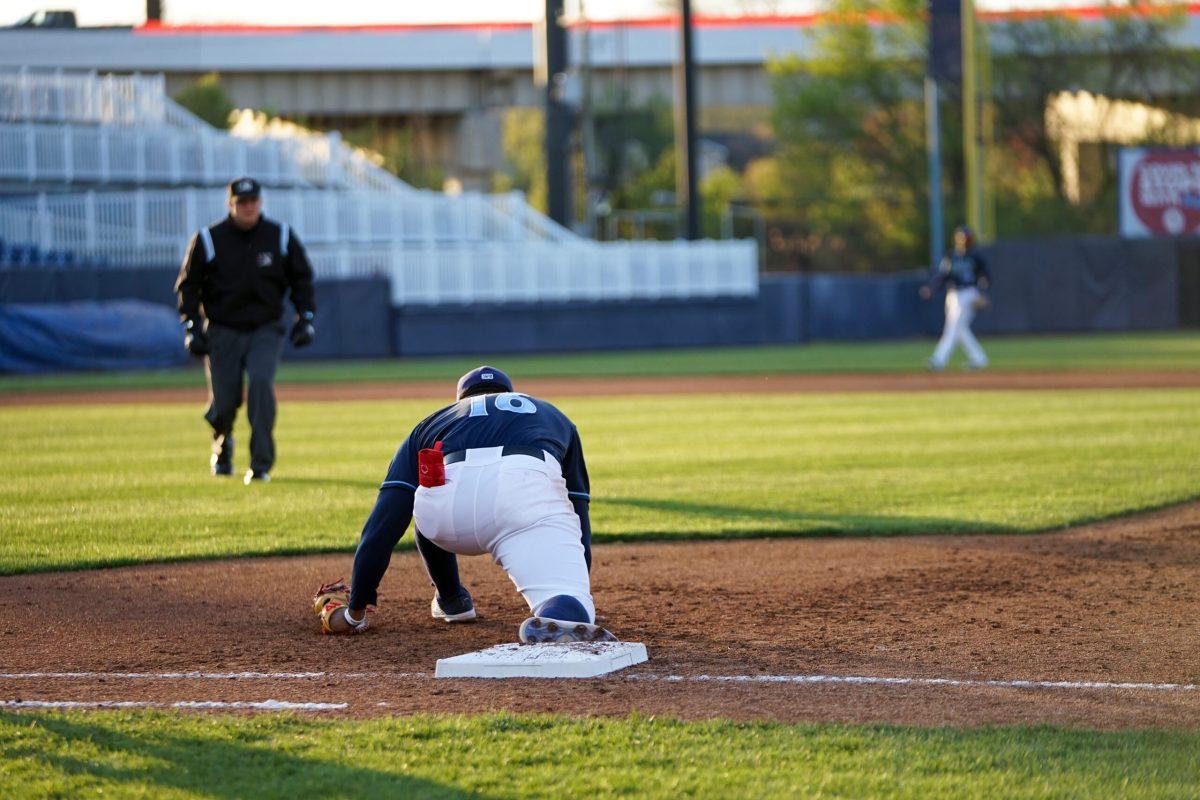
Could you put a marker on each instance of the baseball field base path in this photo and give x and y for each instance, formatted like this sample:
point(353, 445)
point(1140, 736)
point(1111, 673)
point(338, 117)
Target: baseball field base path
point(575, 660)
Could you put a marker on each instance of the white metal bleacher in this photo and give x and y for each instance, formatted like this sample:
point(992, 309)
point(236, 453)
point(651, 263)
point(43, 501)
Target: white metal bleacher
point(91, 138)
point(82, 129)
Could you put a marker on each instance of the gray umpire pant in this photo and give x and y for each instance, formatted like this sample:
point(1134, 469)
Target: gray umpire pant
point(232, 353)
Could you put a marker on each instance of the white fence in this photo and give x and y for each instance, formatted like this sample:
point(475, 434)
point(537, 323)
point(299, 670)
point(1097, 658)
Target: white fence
point(83, 128)
point(434, 248)
point(165, 156)
point(139, 227)
point(75, 129)
point(88, 98)
point(505, 272)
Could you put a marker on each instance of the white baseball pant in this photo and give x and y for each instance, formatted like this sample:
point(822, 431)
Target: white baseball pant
point(960, 313)
point(515, 508)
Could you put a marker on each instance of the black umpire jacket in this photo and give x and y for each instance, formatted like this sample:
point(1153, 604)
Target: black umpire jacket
point(240, 277)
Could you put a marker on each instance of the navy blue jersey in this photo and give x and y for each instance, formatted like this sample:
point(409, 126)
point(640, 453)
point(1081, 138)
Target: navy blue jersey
point(493, 420)
point(961, 270)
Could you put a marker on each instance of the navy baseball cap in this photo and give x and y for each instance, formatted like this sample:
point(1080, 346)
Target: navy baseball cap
point(244, 187)
point(487, 376)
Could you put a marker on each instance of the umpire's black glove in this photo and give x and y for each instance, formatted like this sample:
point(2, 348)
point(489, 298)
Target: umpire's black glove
point(195, 339)
point(303, 331)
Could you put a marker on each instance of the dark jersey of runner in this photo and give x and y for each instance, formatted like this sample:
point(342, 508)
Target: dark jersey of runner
point(962, 270)
point(494, 420)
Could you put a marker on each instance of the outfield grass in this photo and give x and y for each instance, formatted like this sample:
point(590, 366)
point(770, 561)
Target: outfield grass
point(1124, 351)
point(164, 755)
point(84, 486)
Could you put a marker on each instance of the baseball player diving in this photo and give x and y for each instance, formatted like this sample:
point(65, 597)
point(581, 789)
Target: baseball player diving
point(496, 472)
point(965, 275)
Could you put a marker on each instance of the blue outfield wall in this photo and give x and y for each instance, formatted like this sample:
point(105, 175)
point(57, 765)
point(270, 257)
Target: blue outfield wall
point(355, 317)
point(1084, 283)
point(789, 309)
point(1048, 285)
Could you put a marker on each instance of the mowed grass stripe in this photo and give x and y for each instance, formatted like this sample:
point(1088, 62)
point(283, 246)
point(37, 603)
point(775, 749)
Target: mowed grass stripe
point(83, 486)
point(171, 755)
point(1170, 350)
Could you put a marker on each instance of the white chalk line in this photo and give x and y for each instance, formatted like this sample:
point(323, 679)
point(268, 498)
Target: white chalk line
point(869, 680)
point(850, 680)
point(263, 705)
point(203, 676)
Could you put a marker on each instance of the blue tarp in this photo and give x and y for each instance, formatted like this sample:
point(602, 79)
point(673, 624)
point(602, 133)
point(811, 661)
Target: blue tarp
point(117, 334)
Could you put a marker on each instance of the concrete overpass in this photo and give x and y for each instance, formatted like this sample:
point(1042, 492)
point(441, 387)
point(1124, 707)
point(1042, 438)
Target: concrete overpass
point(448, 85)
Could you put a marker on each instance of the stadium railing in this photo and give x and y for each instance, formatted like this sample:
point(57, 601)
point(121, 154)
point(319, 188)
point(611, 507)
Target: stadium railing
point(132, 221)
point(80, 128)
point(547, 271)
point(435, 249)
point(87, 98)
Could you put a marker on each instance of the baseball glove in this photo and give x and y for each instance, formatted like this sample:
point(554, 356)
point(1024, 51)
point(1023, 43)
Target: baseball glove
point(330, 604)
point(981, 302)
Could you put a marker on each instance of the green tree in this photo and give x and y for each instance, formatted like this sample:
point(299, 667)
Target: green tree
point(850, 191)
point(1125, 54)
point(206, 99)
point(847, 188)
point(719, 189)
point(631, 143)
point(399, 152)
point(523, 132)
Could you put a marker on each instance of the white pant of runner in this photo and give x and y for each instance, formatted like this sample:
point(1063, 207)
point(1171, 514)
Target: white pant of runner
point(960, 313)
point(516, 508)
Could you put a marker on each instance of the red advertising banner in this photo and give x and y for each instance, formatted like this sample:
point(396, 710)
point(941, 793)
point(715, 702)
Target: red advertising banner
point(1160, 191)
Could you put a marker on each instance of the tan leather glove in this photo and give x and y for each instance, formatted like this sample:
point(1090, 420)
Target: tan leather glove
point(331, 602)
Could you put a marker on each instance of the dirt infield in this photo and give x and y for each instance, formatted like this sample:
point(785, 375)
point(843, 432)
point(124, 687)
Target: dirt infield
point(1112, 602)
point(710, 384)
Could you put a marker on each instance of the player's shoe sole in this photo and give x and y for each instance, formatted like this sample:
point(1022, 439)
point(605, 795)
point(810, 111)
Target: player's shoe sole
point(465, 615)
point(544, 630)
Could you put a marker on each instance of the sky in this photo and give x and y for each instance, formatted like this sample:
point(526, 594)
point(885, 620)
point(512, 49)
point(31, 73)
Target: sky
point(382, 12)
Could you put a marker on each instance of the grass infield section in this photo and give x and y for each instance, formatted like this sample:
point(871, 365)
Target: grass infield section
point(1124, 351)
point(166, 755)
point(91, 485)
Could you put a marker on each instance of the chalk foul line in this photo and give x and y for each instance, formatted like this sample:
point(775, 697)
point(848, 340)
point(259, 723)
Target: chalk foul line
point(870, 680)
point(204, 676)
point(847, 680)
point(263, 705)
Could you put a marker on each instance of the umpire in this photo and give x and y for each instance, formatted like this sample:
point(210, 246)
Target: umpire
point(231, 288)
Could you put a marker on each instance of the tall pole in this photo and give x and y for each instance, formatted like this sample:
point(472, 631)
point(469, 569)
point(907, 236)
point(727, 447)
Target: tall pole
point(587, 125)
point(970, 99)
point(943, 69)
point(558, 118)
point(933, 150)
point(987, 135)
point(685, 125)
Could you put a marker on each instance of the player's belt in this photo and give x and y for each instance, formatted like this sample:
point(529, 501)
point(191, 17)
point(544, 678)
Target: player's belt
point(507, 450)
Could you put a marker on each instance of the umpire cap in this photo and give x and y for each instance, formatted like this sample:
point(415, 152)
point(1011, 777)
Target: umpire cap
point(483, 379)
point(244, 188)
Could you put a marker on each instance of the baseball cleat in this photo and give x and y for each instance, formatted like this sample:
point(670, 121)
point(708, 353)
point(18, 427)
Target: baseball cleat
point(255, 476)
point(222, 470)
point(544, 630)
point(460, 609)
